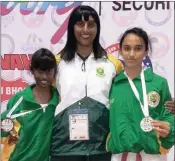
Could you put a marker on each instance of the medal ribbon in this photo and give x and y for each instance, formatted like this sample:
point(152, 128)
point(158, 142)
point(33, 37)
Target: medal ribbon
point(136, 93)
point(9, 115)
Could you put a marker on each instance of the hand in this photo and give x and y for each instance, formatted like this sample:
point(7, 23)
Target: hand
point(170, 105)
point(13, 137)
point(162, 128)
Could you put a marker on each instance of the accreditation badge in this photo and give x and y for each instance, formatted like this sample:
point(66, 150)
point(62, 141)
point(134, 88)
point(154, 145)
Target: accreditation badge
point(79, 124)
point(7, 124)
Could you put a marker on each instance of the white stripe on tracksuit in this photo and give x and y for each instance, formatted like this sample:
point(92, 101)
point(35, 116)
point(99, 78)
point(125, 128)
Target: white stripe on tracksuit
point(72, 81)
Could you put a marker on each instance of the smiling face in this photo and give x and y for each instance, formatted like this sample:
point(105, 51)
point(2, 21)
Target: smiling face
point(85, 31)
point(44, 78)
point(133, 50)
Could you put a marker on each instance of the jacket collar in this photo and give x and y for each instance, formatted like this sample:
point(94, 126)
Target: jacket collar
point(28, 95)
point(148, 76)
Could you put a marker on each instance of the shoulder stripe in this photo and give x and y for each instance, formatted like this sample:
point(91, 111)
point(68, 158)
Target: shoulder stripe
point(116, 62)
point(58, 58)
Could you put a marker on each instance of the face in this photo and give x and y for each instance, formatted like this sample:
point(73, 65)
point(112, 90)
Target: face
point(85, 31)
point(133, 50)
point(44, 78)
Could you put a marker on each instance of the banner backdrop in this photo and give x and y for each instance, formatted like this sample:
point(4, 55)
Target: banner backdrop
point(28, 26)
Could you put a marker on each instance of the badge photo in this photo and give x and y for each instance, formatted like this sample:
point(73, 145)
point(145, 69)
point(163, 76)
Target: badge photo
point(153, 98)
point(78, 124)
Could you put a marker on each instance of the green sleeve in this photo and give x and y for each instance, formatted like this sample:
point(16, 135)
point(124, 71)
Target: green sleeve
point(166, 116)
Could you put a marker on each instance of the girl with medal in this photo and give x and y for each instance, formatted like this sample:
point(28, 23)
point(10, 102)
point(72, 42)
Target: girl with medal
point(26, 125)
point(141, 128)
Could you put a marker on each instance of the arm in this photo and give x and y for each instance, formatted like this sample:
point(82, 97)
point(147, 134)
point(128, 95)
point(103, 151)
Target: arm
point(170, 105)
point(165, 125)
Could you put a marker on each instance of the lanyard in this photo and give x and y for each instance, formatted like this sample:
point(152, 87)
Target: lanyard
point(83, 67)
point(9, 115)
point(136, 93)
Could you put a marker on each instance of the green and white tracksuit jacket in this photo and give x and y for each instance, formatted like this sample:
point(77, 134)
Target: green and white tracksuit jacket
point(87, 83)
point(34, 129)
point(126, 134)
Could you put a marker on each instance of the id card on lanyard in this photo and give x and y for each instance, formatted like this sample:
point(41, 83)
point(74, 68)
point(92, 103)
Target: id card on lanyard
point(146, 122)
point(78, 124)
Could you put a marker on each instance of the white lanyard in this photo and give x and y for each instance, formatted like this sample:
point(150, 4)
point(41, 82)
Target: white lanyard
point(9, 115)
point(86, 73)
point(136, 93)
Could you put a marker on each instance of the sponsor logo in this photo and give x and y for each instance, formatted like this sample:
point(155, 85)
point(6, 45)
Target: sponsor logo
point(33, 43)
point(157, 18)
point(8, 19)
point(159, 69)
point(160, 44)
point(33, 20)
point(124, 18)
point(8, 44)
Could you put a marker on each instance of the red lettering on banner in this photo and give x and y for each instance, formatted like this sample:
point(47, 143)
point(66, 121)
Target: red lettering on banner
point(2, 90)
point(5, 62)
point(26, 60)
point(112, 48)
point(9, 88)
point(15, 61)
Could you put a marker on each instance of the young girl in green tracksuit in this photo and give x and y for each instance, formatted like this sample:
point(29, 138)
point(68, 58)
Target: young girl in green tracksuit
point(32, 112)
point(141, 128)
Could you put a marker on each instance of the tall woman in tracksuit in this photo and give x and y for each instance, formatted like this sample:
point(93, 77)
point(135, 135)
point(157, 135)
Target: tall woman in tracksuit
point(85, 73)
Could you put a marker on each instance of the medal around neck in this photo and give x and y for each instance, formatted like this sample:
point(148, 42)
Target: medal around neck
point(146, 124)
point(7, 125)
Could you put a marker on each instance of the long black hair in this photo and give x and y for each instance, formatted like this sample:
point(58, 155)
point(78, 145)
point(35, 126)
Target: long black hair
point(68, 52)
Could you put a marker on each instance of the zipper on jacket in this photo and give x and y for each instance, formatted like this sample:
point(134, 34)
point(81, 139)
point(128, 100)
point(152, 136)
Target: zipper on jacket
point(79, 104)
point(87, 157)
point(83, 68)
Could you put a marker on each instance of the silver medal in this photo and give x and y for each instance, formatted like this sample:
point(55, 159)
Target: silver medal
point(7, 124)
point(146, 124)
